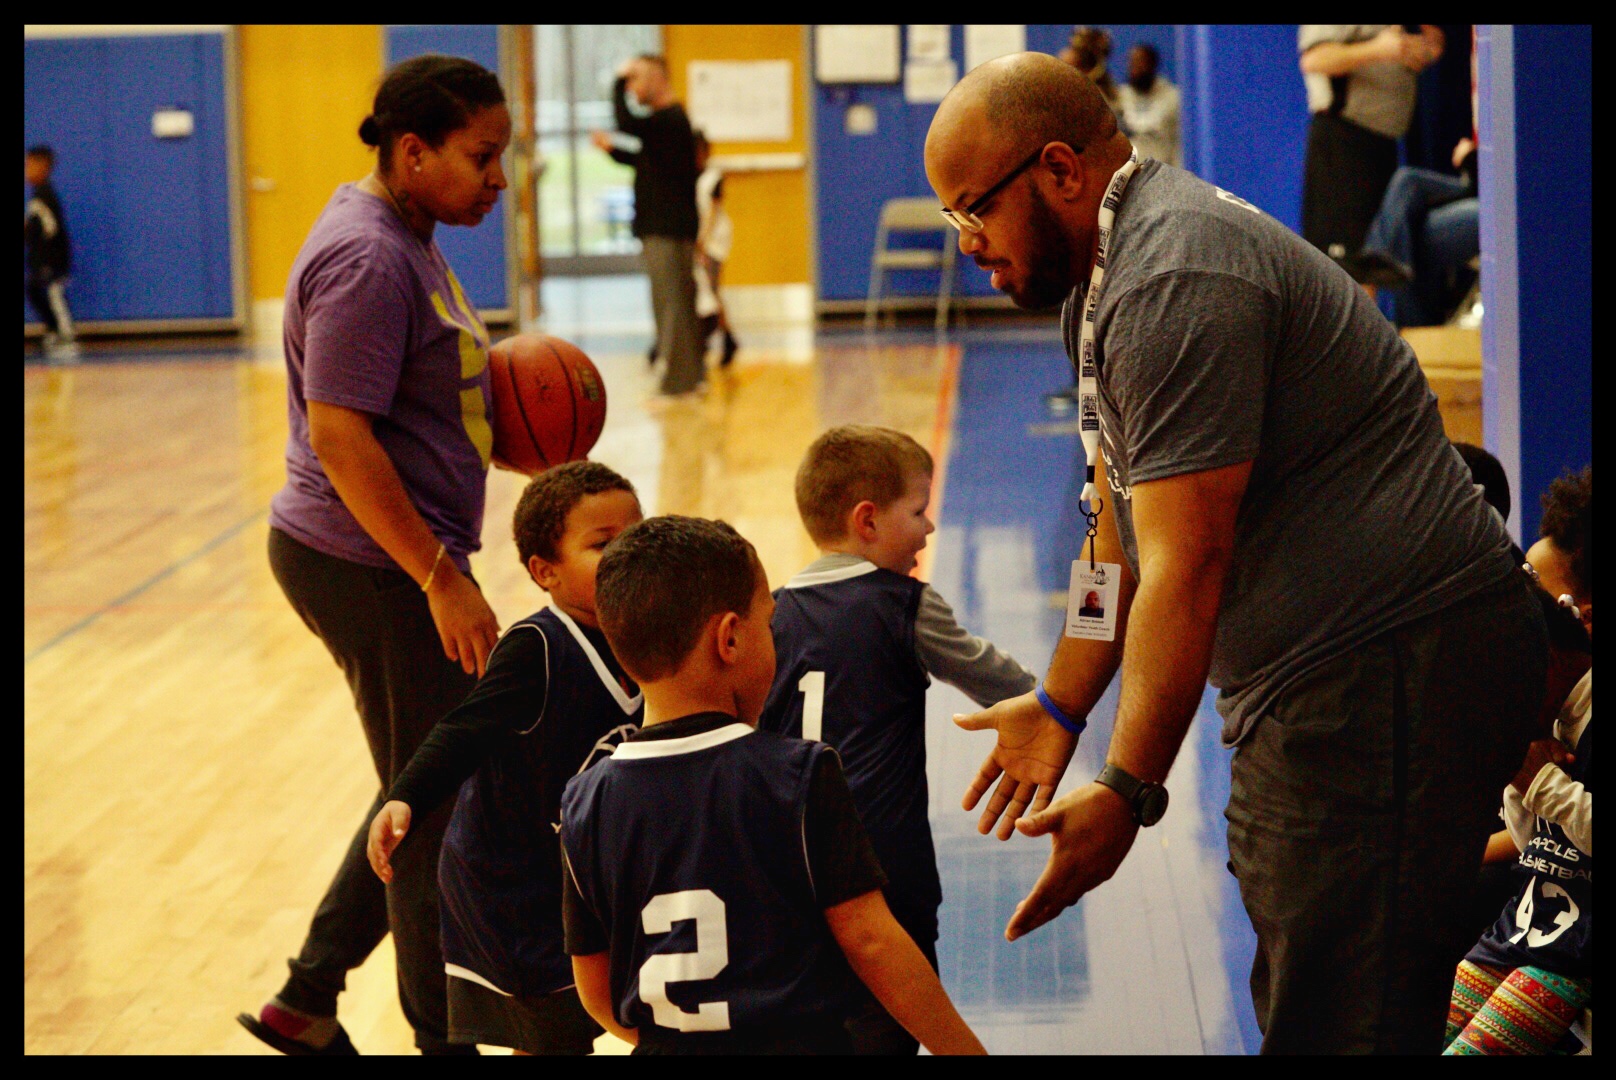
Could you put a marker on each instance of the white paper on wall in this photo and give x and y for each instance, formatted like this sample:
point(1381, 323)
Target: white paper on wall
point(984, 42)
point(741, 100)
point(853, 53)
point(929, 81)
point(928, 42)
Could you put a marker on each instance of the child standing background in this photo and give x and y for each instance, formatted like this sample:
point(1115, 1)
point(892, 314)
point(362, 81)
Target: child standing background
point(720, 883)
point(857, 641)
point(714, 238)
point(49, 255)
point(553, 701)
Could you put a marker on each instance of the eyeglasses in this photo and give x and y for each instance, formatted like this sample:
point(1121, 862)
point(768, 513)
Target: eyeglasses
point(966, 220)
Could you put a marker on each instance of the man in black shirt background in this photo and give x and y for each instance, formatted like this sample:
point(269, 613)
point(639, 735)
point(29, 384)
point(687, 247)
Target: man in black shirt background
point(665, 218)
point(44, 234)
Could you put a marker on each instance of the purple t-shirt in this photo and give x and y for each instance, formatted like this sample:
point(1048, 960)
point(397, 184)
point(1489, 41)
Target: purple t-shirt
point(376, 321)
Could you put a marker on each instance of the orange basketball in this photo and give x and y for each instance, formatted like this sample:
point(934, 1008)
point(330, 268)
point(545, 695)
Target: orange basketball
point(549, 402)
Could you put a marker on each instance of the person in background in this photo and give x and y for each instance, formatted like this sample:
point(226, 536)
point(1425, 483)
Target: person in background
point(1361, 91)
point(713, 241)
point(1089, 51)
point(664, 210)
point(1487, 473)
point(1528, 979)
point(1150, 107)
point(48, 253)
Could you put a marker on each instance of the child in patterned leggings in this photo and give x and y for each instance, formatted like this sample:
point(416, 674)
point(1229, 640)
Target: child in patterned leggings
point(1530, 976)
point(1496, 1011)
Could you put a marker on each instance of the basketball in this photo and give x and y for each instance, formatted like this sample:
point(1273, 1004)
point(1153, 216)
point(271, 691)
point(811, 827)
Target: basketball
point(549, 402)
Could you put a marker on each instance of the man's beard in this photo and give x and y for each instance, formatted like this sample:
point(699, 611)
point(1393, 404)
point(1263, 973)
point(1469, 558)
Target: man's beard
point(1049, 263)
point(1142, 83)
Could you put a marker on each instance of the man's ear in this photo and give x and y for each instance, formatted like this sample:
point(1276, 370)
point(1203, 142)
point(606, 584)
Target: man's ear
point(725, 637)
point(862, 519)
point(544, 574)
point(1066, 168)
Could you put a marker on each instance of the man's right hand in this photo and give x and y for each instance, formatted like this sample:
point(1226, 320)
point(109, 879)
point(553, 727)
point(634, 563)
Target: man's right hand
point(601, 140)
point(466, 624)
point(388, 827)
point(1031, 755)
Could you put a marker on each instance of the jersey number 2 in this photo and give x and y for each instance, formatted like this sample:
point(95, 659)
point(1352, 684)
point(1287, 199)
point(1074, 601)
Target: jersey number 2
point(703, 907)
point(812, 686)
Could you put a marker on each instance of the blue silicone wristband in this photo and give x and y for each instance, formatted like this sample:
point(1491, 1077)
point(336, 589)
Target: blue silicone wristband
point(1074, 725)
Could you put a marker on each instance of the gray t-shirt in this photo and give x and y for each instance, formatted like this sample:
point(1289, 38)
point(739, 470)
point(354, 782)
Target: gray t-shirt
point(1379, 96)
point(1224, 337)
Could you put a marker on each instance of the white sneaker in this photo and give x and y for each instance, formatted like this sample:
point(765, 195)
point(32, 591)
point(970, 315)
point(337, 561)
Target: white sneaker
point(60, 351)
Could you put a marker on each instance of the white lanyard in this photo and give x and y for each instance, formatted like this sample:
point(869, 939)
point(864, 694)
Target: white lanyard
point(1088, 385)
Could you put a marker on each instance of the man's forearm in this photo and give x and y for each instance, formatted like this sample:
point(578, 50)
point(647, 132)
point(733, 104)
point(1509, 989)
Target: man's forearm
point(1340, 58)
point(1168, 651)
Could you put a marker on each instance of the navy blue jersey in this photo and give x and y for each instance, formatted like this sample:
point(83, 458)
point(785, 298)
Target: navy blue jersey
point(691, 854)
point(1550, 921)
point(846, 672)
point(500, 870)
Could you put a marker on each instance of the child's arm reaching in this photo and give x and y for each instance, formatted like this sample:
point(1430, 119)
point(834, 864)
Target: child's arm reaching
point(958, 657)
point(897, 973)
point(509, 698)
point(592, 973)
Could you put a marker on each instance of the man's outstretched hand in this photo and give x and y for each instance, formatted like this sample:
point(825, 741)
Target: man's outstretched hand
point(1091, 830)
point(1031, 755)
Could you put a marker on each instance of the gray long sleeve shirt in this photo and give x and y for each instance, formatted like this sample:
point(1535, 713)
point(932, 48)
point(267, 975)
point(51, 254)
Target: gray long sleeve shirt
point(948, 651)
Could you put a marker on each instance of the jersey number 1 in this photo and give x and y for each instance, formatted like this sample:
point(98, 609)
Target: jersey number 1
point(706, 909)
point(812, 686)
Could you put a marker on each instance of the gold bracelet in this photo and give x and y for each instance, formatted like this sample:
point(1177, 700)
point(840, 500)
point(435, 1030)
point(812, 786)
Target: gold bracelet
point(427, 584)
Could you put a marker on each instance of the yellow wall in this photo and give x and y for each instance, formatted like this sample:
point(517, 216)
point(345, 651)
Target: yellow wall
point(304, 90)
point(770, 209)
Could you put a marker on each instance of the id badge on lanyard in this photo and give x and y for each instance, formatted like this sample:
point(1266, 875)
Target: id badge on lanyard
point(1091, 604)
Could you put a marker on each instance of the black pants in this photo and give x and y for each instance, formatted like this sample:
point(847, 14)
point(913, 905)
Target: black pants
point(1345, 174)
point(1358, 812)
point(50, 303)
point(380, 632)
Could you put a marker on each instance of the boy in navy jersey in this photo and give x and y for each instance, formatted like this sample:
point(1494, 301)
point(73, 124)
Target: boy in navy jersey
point(719, 882)
point(553, 701)
point(857, 641)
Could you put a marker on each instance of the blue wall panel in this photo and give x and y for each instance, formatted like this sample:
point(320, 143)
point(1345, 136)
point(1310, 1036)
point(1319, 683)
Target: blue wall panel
point(478, 254)
point(1536, 188)
point(149, 218)
point(854, 174)
point(1245, 113)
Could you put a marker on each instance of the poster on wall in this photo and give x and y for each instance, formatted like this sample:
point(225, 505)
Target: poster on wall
point(854, 54)
point(987, 42)
point(926, 82)
point(928, 42)
point(741, 100)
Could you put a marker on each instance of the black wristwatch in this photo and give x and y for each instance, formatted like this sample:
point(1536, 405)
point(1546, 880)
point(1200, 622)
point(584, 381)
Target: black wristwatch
point(1147, 801)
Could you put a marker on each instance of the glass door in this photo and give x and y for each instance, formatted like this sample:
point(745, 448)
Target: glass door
point(586, 200)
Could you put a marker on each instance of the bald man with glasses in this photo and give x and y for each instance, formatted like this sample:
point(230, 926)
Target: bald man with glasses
point(1290, 524)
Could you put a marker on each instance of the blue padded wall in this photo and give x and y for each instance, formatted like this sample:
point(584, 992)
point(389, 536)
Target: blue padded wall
point(855, 174)
point(478, 254)
point(1534, 86)
point(149, 219)
point(1245, 113)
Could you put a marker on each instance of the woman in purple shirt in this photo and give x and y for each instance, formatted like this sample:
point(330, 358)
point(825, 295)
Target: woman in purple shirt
point(386, 466)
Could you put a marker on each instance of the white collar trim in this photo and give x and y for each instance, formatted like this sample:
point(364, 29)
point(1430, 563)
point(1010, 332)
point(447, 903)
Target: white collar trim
point(624, 702)
point(809, 578)
point(639, 749)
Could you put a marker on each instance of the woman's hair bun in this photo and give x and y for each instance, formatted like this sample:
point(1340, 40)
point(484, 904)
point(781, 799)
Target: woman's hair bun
point(370, 132)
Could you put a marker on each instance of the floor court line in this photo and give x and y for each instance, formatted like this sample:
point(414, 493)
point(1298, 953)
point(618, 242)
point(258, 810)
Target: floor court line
point(120, 601)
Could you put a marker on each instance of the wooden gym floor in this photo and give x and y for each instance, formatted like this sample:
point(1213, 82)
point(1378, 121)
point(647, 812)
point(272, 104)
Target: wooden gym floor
point(192, 767)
